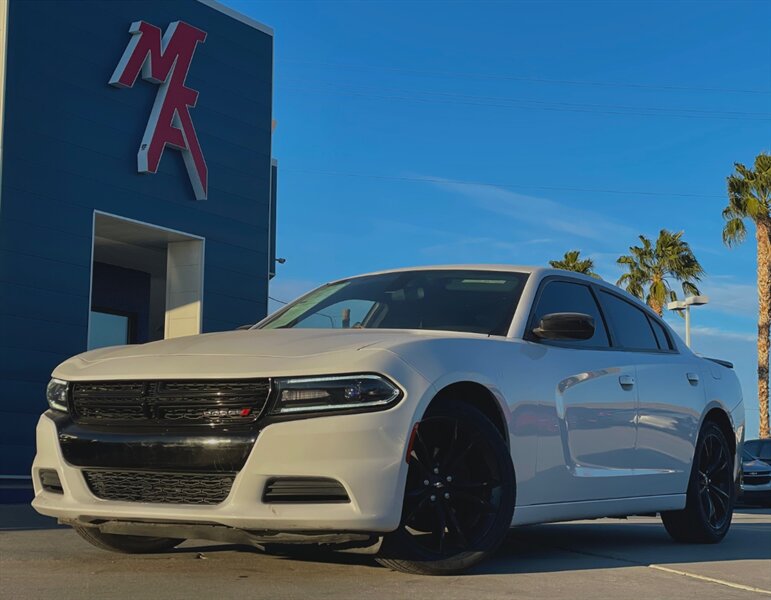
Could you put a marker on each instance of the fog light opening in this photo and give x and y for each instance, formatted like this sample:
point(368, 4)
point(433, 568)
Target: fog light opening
point(50, 481)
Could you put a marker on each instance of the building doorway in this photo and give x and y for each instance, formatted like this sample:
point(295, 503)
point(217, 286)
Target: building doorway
point(146, 282)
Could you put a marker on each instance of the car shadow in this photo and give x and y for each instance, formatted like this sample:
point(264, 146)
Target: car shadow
point(608, 544)
point(548, 548)
point(580, 546)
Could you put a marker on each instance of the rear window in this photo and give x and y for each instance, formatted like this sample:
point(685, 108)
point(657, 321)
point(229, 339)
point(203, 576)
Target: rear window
point(661, 336)
point(630, 325)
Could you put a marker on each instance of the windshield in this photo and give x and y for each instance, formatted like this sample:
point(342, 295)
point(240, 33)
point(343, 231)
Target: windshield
point(747, 456)
point(467, 301)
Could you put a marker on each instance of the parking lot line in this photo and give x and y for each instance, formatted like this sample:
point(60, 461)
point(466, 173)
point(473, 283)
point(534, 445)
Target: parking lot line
point(738, 586)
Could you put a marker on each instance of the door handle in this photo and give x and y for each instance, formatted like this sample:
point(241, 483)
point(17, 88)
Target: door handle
point(626, 381)
point(693, 378)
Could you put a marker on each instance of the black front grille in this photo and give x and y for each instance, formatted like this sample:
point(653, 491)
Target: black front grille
point(162, 488)
point(750, 479)
point(311, 490)
point(169, 403)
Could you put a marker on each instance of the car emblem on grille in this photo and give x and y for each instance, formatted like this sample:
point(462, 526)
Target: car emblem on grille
point(227, 412)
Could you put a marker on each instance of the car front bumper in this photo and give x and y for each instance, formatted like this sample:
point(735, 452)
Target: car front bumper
point(756, 494)
point(364, 452)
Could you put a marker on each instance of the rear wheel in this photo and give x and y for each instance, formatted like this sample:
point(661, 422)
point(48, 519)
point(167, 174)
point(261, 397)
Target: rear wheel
point(711, 492)
point(127, 544)
point(459, 497)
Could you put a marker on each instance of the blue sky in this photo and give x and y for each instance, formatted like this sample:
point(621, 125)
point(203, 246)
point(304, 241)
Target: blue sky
point(425, 133)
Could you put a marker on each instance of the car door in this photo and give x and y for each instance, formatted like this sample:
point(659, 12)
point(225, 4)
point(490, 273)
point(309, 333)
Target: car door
point(587, 403)
point(671, 396)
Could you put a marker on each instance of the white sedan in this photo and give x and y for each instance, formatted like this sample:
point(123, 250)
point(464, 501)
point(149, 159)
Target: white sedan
point(418, 414)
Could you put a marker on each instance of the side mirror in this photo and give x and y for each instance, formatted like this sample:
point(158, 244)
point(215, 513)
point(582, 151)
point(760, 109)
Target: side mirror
point(565, 326)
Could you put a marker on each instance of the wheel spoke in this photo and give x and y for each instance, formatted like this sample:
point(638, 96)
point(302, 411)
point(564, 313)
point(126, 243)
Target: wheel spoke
point(710, 507)
point(705, 457)
point(474, 485)
point(717, 469)
point(718, 502)
point(445, 455)
point(441, 532)
point(716, 461)
point(421, 453)
point(453, 464)
point(416, 493)
point(719, 491)
point(457, 527)
point(415, 509)
point(483, 505)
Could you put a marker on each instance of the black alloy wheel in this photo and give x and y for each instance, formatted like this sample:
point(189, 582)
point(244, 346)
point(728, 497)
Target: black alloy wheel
point(459, 495)
point(711, 493)
point(715, 481)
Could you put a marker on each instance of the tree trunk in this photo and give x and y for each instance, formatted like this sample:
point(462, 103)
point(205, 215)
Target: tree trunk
point(764, 319)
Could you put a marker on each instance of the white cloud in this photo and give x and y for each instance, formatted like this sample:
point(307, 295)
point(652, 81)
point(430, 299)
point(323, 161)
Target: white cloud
point(541, 212)
point(714, 332)
point(730, 297)
point(488, 242)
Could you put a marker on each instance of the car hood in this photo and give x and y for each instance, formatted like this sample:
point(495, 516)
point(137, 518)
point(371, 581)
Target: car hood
point(244, 353)
point(756, 466)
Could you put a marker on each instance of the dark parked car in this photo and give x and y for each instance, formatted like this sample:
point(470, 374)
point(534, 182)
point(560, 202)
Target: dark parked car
point(756, 480)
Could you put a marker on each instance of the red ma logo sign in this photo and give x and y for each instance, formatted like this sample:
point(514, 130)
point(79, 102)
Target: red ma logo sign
point(165, 61)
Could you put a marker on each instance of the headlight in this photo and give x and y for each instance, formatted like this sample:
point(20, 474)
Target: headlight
point(56, 394)
point(344, 392)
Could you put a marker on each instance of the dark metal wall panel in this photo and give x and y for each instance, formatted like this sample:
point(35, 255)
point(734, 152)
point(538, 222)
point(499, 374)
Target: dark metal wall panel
point(70, 147)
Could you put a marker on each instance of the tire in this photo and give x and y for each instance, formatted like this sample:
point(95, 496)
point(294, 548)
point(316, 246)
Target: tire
point(126, 544)
point(711, 494)
point(459, 497)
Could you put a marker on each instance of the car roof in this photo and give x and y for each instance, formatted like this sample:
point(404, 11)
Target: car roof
point(457, 267)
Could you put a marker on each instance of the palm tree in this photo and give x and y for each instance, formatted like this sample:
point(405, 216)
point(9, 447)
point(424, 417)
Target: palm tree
point(572, 262)
point(749, 197)
point(652, 266)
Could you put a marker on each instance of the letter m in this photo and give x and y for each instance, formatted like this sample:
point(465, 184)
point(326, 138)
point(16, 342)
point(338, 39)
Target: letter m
point(165, 61)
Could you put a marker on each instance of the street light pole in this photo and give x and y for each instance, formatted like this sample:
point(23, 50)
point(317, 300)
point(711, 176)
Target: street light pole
point(685, 306)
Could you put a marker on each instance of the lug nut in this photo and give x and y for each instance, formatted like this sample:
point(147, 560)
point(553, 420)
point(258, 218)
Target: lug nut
point(433, 498)
point(449, 478)
point(446, 495)
point(436, 470)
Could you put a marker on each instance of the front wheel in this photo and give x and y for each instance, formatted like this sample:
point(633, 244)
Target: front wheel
point(459, 497)
point(127, 544)
point(711, 492)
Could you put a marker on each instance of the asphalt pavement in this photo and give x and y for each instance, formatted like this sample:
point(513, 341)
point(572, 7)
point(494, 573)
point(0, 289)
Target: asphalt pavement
point(605, 558)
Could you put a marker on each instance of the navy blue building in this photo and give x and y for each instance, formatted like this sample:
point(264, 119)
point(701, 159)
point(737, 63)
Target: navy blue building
point(137, 198)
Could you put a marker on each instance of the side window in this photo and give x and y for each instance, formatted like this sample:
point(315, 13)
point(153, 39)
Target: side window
point(661, 336)
point(630, 325)
point(562, 296)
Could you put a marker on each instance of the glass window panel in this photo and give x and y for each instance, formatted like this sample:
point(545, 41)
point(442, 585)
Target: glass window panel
point(631, 328)
point(107, 329)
